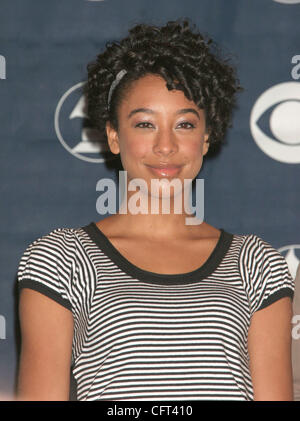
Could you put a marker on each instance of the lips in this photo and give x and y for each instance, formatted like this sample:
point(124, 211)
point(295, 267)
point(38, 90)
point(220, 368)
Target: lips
point(165, 171)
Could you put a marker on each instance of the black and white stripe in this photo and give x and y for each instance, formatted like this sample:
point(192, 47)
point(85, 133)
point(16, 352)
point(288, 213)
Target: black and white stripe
point(139, 335)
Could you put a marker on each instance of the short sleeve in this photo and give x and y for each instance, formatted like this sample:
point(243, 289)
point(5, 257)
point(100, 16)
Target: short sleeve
point(265, 273)
point(47, 266)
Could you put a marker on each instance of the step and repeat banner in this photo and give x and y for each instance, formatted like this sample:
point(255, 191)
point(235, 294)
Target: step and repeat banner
point(51, 159)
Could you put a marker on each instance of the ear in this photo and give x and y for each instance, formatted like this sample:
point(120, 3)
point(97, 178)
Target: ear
point(112, 138)
point(205, 144)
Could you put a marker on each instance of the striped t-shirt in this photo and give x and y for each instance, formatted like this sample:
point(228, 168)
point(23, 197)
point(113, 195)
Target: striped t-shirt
point(140, 335)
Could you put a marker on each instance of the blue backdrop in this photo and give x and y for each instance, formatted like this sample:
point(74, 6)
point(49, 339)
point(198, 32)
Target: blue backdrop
point(50, 163)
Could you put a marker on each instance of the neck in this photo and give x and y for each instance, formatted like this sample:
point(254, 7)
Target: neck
point(160, 214)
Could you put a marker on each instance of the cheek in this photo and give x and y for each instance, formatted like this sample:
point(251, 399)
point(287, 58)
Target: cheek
point(193, 155)
point(133, 150)
point(193, 149)
point(136, 148)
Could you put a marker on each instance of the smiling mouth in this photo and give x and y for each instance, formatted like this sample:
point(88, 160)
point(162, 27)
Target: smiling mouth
point(168, 171)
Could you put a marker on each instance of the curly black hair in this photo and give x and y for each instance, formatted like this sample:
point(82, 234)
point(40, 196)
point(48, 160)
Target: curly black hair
point(185, 58)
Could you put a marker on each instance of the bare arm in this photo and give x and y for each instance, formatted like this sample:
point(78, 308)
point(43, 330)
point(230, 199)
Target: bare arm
point(47, 333)
point(269, 345)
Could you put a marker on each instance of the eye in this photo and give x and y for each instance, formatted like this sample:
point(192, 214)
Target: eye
point(187, 125)
point(144, 125)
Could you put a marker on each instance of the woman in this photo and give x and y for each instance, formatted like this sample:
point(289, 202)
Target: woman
point(144, 305)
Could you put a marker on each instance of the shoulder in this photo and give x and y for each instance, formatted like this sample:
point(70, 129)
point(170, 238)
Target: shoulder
point(264, 271)
point(48, 265)
point(58, 237)
point(257, 248)
point(57, 234)
point(54, 249)
point(259, 256)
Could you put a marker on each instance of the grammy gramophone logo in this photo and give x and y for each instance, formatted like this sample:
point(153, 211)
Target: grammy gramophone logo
point(75, 131)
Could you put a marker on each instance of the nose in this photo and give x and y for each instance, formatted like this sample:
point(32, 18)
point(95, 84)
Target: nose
point(165, 142)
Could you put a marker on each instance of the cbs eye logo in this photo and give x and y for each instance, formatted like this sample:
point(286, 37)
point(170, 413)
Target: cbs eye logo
point(284, 122)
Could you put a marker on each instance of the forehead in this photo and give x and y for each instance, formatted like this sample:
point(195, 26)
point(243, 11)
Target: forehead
point(151, 91)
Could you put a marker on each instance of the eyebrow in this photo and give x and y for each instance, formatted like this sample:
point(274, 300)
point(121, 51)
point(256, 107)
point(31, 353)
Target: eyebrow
point(149, 111)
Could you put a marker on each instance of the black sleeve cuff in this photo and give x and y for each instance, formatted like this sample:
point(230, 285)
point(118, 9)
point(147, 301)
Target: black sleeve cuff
point(45, 290)
point(283, 292)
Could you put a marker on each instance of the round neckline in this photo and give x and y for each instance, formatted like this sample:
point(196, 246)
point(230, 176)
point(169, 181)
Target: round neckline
point(131, 269)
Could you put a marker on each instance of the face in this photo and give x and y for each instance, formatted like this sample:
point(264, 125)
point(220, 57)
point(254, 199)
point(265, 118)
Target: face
point(161, 133)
